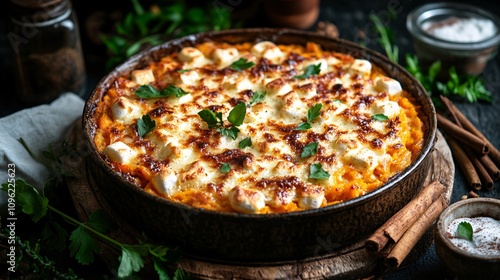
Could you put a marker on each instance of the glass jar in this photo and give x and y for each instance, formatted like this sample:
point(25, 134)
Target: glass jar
point(45, 38)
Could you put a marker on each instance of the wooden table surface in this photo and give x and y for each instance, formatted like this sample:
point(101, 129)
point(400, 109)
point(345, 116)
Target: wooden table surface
point(351, 18)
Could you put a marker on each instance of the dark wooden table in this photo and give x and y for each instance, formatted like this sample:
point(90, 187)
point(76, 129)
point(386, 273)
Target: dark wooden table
point(351, 18)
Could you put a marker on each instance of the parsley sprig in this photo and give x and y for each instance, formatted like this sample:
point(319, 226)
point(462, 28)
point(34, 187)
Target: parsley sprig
point(380, 117)
point(316, 171)
point(465, 231)
point(313, 69)
point(145, 125)
point(257, 97)
point(241, 64)
point(148, 91)
point(312, 113)
point(83, 240)
point(214, 120)
point(309, 150)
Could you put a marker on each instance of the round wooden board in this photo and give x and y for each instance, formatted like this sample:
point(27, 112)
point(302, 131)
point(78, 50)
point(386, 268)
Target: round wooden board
point(347, 262)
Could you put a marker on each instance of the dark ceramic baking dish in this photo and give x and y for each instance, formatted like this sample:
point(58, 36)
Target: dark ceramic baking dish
point(251, 237)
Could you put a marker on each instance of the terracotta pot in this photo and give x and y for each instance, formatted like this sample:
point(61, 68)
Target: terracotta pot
point(243, 237)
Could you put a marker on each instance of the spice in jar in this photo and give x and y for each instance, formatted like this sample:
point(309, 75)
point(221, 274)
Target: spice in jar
point(461, 30)
point(45, 39)
point(485, 236)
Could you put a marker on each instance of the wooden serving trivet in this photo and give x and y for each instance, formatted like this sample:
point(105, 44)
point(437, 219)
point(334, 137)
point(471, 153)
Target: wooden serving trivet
point(347, 262)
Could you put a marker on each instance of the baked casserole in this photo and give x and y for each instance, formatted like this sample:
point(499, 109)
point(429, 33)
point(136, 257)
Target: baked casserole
point(258, 127)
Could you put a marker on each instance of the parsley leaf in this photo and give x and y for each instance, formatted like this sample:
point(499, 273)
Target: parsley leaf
point(464, 230)
point(314, 112)
point(257, 97)
point(183, 70)
point(310, 70)
point(237, 114)
point(210, 118)
point(29, 199)
point(148, 91)
point(172, 90)
point(236, 118)
point(231, 132)
point(316, 171)
point(241, 64)
point(145, 125)
point(82, 245)
point(309, 150)
point(225, 168)
point(247, 142)
point(130, 261)
point(303, 126)
point(379, 117)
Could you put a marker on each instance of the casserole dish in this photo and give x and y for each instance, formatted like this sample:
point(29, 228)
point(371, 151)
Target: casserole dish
point(253, 237)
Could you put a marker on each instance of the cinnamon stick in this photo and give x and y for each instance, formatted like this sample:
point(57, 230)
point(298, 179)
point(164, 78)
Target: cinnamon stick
point(491, 167)
point(477, 144)
point(465, 164)
point(468, 125)
point(394, 228)
point(486, 179)
point(414, 233)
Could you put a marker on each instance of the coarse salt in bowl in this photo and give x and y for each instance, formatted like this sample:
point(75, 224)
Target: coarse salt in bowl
point(458, 35)
point(465, 259)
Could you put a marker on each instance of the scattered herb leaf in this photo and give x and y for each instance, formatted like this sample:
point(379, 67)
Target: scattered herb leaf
point(82, 245)
point(130, 261)
point(247, 142)
point(183, 70)
point(237, 114)
point(464, 230)
point(314, 112)
point(210, 118)
point(231, 132)
point(225, 168)
point(310, 70)
point(29, 200)
point(316, 171)
point(145, 125)
point(303, 126)
point(309, 150)
point(380, 117)
point(257, 97)
point(241, 64)
point(148, 91)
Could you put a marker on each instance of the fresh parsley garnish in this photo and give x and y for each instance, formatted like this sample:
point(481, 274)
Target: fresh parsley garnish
point(379, 117)
point(309, 150)
point(247, 142)
point(464, 230)
point(183, 70)
point(310, 70)
point(145, 125)
point(241, 64)
point(312, 113)
point(257, 97)
point(148, 91)
point(316, 171)
point(236, 117)
point(225, 168)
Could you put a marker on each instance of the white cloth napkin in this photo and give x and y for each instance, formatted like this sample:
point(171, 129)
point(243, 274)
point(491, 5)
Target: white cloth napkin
point(39, 126)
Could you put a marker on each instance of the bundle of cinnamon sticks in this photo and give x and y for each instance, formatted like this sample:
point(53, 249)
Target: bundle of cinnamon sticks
point(395, 239)
point(473, 152)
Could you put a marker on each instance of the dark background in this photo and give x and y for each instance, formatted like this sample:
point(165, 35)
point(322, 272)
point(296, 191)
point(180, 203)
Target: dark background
point(351, 18)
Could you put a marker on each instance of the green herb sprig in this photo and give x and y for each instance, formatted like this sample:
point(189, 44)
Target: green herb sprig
point(312, 113)
point(241, 64)
point(380, 117)
point(148, 92)
point(309, 150)
point(316, 171)
point(145, 125)
point(313, 69)
point(214, 120)
point(465, 231)
point(257, 97)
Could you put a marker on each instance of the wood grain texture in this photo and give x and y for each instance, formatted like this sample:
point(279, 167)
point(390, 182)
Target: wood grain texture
point(341, 263)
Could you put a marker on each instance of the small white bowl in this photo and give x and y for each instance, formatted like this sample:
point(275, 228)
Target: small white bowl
point(461, 263)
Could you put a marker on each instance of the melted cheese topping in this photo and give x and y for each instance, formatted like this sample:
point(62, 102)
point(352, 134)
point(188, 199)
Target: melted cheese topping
point(181, 158)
